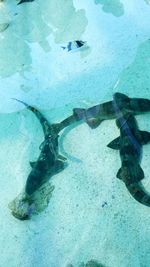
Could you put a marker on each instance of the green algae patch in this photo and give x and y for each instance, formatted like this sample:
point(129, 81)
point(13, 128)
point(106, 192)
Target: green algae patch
point(24, 208)
point(115, 7)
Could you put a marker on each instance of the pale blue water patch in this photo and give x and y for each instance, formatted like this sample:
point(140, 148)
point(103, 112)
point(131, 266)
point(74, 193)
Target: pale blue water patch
point(112, 49)
point(34, 23)
point(91, 215)
point(115, 7)
point(136, 77)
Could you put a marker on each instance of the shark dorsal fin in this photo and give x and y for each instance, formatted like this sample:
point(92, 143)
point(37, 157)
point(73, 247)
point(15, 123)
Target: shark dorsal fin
point(120, 98)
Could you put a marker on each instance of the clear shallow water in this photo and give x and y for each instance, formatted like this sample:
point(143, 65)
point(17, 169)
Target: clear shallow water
point(90, 215)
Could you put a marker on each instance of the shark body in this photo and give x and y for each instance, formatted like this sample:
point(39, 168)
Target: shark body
point(130, 145)
point(49, 161)
point(93, 116)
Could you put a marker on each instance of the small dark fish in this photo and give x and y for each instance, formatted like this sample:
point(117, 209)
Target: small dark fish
point(130, 146)
point(24, 1)
point(95, 115)
point(74, 45)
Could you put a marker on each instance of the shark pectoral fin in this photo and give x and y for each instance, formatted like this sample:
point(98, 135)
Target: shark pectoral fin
point(32, 163)
point(132, 173)
point(93, 122)
point(144, 137)
point(115, 144)
point(60, 157)
point(59, 165)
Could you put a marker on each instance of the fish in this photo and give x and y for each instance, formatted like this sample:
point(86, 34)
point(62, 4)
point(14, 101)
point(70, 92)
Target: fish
point(73, 45)
point(24, 1)
point(49, 162)
point(130, 145)
point(95, 115)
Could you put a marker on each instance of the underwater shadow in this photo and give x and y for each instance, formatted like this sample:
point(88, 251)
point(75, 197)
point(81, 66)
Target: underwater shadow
point(115, 7)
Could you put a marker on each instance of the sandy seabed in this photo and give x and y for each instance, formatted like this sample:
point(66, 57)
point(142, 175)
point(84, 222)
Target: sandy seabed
point(90, 214)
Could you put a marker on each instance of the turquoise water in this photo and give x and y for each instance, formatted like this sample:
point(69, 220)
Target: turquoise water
point(90, 215)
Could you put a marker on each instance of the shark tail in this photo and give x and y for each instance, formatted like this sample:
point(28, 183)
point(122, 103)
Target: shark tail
point(25, 104)
point(138, 193)
point(34, 110)
point(44, 122)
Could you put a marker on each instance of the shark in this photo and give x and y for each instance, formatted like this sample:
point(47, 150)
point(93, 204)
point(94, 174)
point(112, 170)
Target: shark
point(94, 115)
point(49, 162)
point(129, 144)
